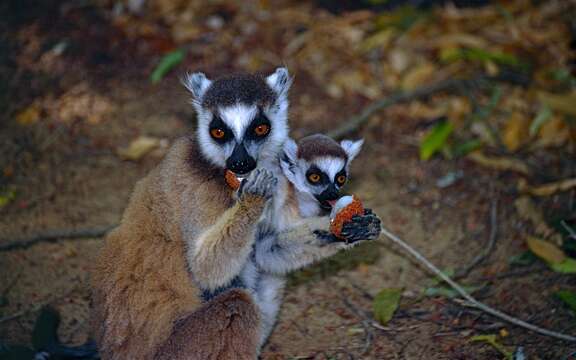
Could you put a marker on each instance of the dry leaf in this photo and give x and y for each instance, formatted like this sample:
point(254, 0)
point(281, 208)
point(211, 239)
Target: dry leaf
point(28, 116)
point(554, 132)
point(547, 189)
point(564, 103)
point(545, 250)
point(417, 76)
point(528, 211)
point(499, 163)
point(138, 148)
point(516, 131)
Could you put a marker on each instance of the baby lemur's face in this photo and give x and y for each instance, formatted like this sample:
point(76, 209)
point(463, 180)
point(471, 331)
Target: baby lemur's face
point(318, 165)
point(241, 119)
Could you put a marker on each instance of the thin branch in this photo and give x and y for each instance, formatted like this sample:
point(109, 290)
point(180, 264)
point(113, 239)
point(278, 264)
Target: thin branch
point(53, 236)
point(491, 242)
point(472, 301)
point(424, 92)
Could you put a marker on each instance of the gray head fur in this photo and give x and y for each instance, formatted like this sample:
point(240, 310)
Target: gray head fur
point(238, 101)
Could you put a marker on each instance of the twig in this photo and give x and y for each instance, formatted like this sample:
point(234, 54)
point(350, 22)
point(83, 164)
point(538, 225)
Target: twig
point(365, 320)
point(491, 242)
point(355, 122)
point(472, 301)
point(52, 236)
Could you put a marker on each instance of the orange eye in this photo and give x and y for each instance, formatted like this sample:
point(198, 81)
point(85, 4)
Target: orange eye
point(217, 133)
point(314, 178)
point(341, 179)
point(262, 130)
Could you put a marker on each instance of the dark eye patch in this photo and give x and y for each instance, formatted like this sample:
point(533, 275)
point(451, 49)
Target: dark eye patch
point(340, 173)
point(315, 170)
point(217, 123)
point(260, 119)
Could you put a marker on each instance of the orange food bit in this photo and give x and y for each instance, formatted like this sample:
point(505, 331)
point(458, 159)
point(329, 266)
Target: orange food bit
point(345, 215)
point(232, 180)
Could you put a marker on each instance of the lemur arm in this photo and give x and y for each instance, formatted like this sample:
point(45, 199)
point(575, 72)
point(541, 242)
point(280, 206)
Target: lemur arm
point(297, 246)
point(220, 252)
point(310, 240)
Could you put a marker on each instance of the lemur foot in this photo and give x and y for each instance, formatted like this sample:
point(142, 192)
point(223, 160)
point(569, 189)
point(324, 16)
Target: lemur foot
point(260, 182)
point(362, 227)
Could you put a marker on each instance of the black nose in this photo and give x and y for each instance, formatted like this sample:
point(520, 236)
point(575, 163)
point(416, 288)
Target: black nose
point(331, 193)
point(240, 162)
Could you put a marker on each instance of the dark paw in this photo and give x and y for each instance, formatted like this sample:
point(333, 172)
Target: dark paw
point(362, 227)
point(260, 182)
point(326, 237)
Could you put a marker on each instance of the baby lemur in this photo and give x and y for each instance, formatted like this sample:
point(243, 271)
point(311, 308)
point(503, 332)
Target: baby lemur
point(294, 235)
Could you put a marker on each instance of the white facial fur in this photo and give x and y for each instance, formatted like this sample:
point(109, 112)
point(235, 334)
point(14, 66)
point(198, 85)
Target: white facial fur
point(295, 168)
point(238, 117)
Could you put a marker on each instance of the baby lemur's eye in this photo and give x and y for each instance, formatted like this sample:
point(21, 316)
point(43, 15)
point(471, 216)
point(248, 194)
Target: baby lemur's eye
point(341, 179)
point(314, 178)
point(262, 130)
point(217, 133)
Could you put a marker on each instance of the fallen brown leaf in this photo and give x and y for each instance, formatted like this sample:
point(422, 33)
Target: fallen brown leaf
point(138, 148)
point(528, 211)
point(545, 250)
point(499, 163)
point(516, 131)
point(547, 189)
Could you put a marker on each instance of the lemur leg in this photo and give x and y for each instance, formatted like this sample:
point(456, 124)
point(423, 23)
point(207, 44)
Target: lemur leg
point(219, 253)
point(310, 241)
point(227, 327)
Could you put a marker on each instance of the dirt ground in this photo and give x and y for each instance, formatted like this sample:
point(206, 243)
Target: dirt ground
point(69, 176)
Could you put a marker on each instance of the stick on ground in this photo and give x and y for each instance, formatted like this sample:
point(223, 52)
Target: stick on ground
point(54, 235)
point(473, 302)
point(424, 92)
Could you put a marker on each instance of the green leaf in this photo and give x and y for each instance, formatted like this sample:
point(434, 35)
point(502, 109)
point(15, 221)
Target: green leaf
point(466, 147)
point(166, 64)
point(491, 339)
point(385, 304)
point(449, 292)
point(6, 197)
point(481, 55)
point(568, 297)
point(568, 266)
point(436, 139)
point(524, 259)
point(45, 329)
point(16, 352)
point(544, 114)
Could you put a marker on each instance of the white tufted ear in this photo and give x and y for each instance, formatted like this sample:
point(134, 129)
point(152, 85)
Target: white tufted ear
point(196, 83)
point(279, 81)
point(352, 148)
point(288, 159)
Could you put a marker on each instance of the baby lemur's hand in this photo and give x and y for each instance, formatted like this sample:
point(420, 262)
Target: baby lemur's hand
point(260, 182)
point(362, 227)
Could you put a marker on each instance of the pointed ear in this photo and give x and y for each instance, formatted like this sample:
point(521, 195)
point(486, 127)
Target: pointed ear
point(288, 159)
point(280, 81)
point(290, 151)
point(196, 83)
point(352, 148)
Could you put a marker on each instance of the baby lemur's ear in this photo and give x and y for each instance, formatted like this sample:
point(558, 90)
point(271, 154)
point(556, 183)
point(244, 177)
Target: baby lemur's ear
point(280, 82)
point(197, 83)
point(288, 158)
point(352, 148)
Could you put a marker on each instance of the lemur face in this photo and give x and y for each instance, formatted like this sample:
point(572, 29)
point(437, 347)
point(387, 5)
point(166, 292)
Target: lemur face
point(319, 166)
point(242, 119)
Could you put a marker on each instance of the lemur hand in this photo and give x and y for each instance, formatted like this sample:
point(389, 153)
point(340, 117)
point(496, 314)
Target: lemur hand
point(362, 227)
point(260, 182)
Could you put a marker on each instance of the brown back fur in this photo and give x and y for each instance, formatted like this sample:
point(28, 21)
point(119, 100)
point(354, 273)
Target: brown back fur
point(141, 281)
